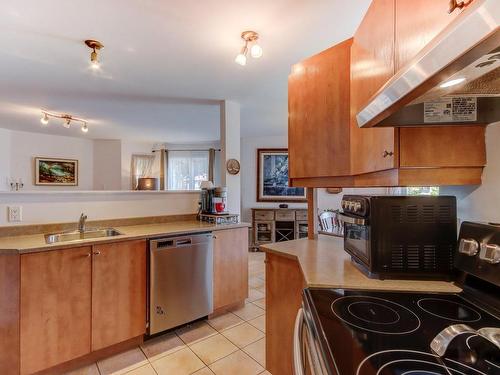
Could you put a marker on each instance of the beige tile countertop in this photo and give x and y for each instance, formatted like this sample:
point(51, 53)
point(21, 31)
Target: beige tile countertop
point(36, 242)
point(324, 263)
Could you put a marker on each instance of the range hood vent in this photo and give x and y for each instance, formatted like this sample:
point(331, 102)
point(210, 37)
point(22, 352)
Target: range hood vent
point(454, 80)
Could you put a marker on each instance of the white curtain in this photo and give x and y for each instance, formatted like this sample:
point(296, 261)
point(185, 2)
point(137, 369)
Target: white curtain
point(187, 169)
point(142, 166)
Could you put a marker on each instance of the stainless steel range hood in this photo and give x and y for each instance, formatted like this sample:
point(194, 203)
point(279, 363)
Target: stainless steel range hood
point(454, 80)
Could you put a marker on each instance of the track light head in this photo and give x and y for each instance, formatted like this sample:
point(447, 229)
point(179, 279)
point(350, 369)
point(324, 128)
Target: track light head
point(45, 119)
point(94, 45)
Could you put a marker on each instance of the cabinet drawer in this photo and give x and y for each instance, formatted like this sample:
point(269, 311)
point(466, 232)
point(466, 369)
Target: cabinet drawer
point(285, 215)
point(264, 215)
point(301, 215)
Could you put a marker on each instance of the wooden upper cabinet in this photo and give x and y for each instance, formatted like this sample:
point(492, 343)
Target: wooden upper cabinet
point(230, 267)
point(417, 23)
point(55, 307)
point(372, 65)
point(318, 108)
point(118, 292)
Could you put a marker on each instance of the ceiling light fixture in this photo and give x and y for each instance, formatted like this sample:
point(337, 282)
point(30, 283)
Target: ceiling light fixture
point(250, 37)
point(67, 119)
point(94, 45)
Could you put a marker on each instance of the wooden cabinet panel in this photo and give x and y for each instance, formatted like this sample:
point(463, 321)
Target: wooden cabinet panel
point(230, 267)
point(417, 23)
point(372, 65)
point(284, 285)
point(118, 292)
point(55, 307)
point(318, 107)
point(457, 146)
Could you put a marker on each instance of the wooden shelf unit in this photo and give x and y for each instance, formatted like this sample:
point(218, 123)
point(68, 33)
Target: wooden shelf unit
point(278, 224)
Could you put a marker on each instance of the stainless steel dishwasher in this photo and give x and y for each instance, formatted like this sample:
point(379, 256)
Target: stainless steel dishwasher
point(180, 280)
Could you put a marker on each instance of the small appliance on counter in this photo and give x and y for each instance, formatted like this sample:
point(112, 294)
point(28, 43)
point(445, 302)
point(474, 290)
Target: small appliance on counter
point(362, 332)
point(213, 199)
point(401, 237)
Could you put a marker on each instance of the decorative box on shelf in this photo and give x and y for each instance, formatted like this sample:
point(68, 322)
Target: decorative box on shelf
point(220, 219)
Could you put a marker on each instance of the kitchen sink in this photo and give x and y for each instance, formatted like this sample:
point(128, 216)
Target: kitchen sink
point(84, 235)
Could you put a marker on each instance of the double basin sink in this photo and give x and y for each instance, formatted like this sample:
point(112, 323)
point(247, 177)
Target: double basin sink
point(81, 235)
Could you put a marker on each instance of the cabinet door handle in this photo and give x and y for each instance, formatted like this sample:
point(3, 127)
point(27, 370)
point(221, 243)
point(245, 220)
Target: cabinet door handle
point(88, 255)
point(97, 253)
point(387, 153)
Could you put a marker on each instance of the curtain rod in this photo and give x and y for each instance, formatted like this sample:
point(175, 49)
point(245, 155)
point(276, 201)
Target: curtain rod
point(207, 149)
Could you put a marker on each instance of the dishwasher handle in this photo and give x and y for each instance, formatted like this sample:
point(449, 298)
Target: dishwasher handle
point(183, 242)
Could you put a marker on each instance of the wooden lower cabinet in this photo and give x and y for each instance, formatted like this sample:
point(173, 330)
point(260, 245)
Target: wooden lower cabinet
point(55, 307)
point(284, 285)
point(118, 292)
point(230, 267)
point(76, 301)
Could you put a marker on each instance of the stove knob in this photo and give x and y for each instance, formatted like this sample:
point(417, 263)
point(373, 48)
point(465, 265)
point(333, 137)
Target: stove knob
point(357, 207)
point(490, 253)
point(344, 205)
point(468, 246)
point(351, 205)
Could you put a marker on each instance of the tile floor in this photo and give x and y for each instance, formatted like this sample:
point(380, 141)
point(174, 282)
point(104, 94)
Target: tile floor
point(230, 344)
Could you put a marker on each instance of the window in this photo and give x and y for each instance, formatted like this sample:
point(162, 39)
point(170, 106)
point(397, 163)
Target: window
point(187, 169)
point(426, 190)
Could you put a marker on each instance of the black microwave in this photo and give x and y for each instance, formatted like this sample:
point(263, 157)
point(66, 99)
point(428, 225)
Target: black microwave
point(401, 237)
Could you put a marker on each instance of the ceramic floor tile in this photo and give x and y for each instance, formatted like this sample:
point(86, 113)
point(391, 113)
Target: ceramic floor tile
point(204, 371)
point(249, 311)
point(213, 349)
point(262, 289)
point(243, 334)
point(182, 362)
point(257, 351)
point(238, 363)
point(123, 362)
point(255, 282)
point(254, 295)
point(86, 370)
point(144, 370)
point(222, 322)
point(195, 332)
point(265, 373)
point(162, 345)
point(259, 323)
point(260, 303)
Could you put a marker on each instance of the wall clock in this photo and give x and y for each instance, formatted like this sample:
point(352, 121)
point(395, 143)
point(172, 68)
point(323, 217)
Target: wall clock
point(233, 166)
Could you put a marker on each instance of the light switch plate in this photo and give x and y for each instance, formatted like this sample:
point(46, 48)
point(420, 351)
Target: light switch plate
point(15, 213)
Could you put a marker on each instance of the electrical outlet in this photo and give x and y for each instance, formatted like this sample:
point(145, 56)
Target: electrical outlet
point(15, 213)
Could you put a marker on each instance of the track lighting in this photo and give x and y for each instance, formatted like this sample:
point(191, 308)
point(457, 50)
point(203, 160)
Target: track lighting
point(67, 119)
point(45, 119)
point(94, 45)
point(255, 50)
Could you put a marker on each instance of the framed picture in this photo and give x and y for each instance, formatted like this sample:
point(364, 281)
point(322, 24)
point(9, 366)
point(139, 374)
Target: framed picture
point(56, 172)
point(272, 177)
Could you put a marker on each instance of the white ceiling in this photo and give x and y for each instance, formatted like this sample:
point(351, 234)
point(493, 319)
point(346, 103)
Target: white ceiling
point(165, 64)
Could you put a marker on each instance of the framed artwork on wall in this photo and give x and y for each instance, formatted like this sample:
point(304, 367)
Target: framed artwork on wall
point(56, 172)
point(272, 177)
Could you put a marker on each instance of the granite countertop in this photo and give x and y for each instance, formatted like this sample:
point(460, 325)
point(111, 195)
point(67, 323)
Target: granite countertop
point(36, 242)
point(324, 263)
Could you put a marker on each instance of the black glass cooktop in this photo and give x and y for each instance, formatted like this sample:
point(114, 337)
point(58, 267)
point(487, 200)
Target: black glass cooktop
point(389, 333)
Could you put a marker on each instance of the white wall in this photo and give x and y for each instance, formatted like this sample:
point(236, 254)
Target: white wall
point(25, 146)
point(58, 207)
point(249, 146)
point(482, 203)
point(5, 174)
point(231, 143)
point(107, 164)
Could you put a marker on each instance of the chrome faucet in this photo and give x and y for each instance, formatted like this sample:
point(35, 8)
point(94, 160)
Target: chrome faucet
point(81, 223)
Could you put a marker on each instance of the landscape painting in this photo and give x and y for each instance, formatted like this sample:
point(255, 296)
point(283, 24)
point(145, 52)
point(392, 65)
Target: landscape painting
point(272, 178)
point(56, 172)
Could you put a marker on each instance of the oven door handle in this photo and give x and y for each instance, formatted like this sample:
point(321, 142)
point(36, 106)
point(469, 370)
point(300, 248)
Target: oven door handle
point(298, 355)
point(352, 220)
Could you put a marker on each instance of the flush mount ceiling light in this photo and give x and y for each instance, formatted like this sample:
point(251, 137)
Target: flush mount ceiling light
point(95, 46)
point(67, 120)
point(250, 37)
